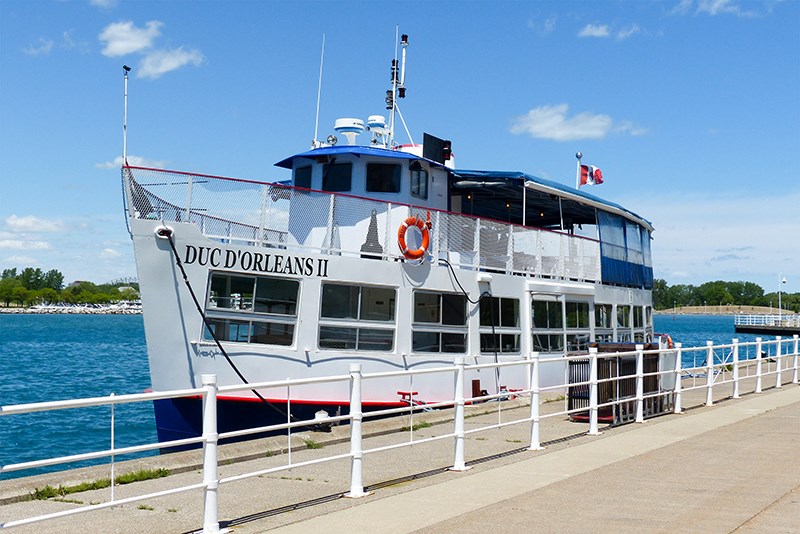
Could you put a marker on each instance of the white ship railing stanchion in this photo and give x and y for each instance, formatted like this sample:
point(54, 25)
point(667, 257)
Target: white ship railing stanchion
point(639, 383)
point(533, 363)
point(795, 377)
point(356, 418)
point(593, 392)
point(210, 438)
point(678, 384)
point(735, 393)
point(758, 365)
point(778, 358)
point(709, 373)
point(112, 446)
point(458, 416)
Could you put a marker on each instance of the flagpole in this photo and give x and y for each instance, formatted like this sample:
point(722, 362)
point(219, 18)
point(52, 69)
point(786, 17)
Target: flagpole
point(578, 171)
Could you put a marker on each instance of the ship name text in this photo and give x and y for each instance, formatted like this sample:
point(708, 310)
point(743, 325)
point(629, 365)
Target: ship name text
point(256, 261)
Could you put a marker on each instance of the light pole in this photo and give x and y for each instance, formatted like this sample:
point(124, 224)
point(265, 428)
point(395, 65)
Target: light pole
point(781, 280)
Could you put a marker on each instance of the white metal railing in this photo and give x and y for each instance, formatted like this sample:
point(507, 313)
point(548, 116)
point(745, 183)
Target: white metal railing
point(781, 320)
point(280, 216)
point(722, 364)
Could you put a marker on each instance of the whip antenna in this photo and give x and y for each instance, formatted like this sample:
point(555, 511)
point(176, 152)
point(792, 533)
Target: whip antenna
point(316, 143)
point(126, 69)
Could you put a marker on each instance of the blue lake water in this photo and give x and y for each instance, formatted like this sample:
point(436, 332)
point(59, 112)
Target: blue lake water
point(55, 357)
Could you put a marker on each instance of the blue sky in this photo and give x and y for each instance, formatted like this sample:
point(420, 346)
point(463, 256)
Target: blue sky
point(690, 107)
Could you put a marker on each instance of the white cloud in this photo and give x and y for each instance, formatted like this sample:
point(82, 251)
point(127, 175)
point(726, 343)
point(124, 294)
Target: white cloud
point(136, 161)
point(551, 122)
point(628, 32)
point(722, 7)
point(543, 27)
point(19, 244)
point(41, 48)
point(109, 254)
point(27, 261)
point(105, 4)
point(29, 223)
point(123, 38)
point(630, 128)
point(591, 30)
point(160, 62)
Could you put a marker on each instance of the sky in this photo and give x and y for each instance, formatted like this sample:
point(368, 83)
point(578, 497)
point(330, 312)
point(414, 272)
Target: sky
point(691, 109)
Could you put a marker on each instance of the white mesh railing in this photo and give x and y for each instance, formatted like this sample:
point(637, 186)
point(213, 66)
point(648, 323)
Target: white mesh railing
point(273, 215)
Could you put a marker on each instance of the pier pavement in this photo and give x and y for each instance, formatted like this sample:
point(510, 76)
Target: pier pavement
point(729, 467)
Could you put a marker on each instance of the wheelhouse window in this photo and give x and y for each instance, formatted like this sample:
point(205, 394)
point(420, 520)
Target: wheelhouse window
point(500, 330)
point(302, 177)
point(357, 317)
point(337, 177)
point(419, 181)
point(548, 325)
point(440, 322)
point(578, 329)
point(251, 309)
point(383, 177)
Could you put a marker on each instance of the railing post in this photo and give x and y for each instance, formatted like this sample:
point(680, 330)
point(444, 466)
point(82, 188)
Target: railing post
point(458, 416)
point(533, 363)
point(796, 358)
point(735, 368)
point(639, 383)
point(593, 392)
point(356, 418)
point(113, 477)
point(678, 384)
point(778, 358)
point(210, 438)
point(709, 373)
point(758, 365)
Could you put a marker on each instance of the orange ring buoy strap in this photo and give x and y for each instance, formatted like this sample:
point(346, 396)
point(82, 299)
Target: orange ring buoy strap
point(423, 228)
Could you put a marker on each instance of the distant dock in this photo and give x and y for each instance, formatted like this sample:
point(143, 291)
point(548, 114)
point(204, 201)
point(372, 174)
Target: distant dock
point(770, 324)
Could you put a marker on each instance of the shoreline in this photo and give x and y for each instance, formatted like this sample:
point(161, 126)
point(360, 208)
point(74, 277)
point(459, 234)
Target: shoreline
point(71, 310)
point(729, 309)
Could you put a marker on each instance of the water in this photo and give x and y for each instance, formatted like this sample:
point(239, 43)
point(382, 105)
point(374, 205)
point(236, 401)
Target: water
point(56, 357)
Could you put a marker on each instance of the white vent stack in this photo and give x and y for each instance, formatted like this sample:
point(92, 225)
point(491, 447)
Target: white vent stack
point(350, 128)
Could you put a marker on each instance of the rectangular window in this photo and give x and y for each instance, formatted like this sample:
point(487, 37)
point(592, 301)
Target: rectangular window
point(383, 177)
point(440, 322)
point(499, 319)
point(347, 312)
point(577, 314)
point(302, 177)
point(252, 309)
point(419, 182)
point(548, 323)
point(546, 314)
point(638, 317)
point(337, 177)
point(602, 316)
point(623, 316)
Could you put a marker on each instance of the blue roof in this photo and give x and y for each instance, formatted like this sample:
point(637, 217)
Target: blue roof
point(353, 150)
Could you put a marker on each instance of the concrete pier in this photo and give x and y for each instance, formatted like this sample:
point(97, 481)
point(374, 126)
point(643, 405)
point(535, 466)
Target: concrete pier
point(733, 465)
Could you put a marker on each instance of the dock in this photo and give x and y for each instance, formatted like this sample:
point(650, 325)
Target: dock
point(768, 324)
point(719, 468)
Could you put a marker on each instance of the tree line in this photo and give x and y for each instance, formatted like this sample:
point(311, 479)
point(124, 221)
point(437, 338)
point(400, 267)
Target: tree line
point(32, 286)
point(719, 293)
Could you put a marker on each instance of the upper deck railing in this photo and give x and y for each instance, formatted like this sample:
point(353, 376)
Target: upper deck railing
point(772, 320)
point(265, 214)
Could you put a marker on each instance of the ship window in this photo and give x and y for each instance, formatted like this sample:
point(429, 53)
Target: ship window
point(638, 317)
point(419, 181)
point(251, 309)
point(548, 323)
point(440, 322)
point(602, 316)
point(383, 178)
point(623, 316)
point(577, 314)
point(302, 177)
point(499, 318)
point(346, 313)
point(337, 177)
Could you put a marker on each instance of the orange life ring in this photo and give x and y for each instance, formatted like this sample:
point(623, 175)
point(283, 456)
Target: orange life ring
point(423, 228)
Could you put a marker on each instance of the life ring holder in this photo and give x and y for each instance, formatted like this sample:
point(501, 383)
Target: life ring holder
point(423, 227)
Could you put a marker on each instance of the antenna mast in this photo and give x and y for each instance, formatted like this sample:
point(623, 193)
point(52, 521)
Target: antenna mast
point(315, 143)
point(126, 70)
point(398, 89)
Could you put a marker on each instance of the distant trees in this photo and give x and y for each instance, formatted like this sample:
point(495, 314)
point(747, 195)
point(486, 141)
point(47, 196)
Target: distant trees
point(719, 293)
point(34, 286)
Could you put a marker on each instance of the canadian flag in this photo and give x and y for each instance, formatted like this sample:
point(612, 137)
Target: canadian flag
point(591, 175)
